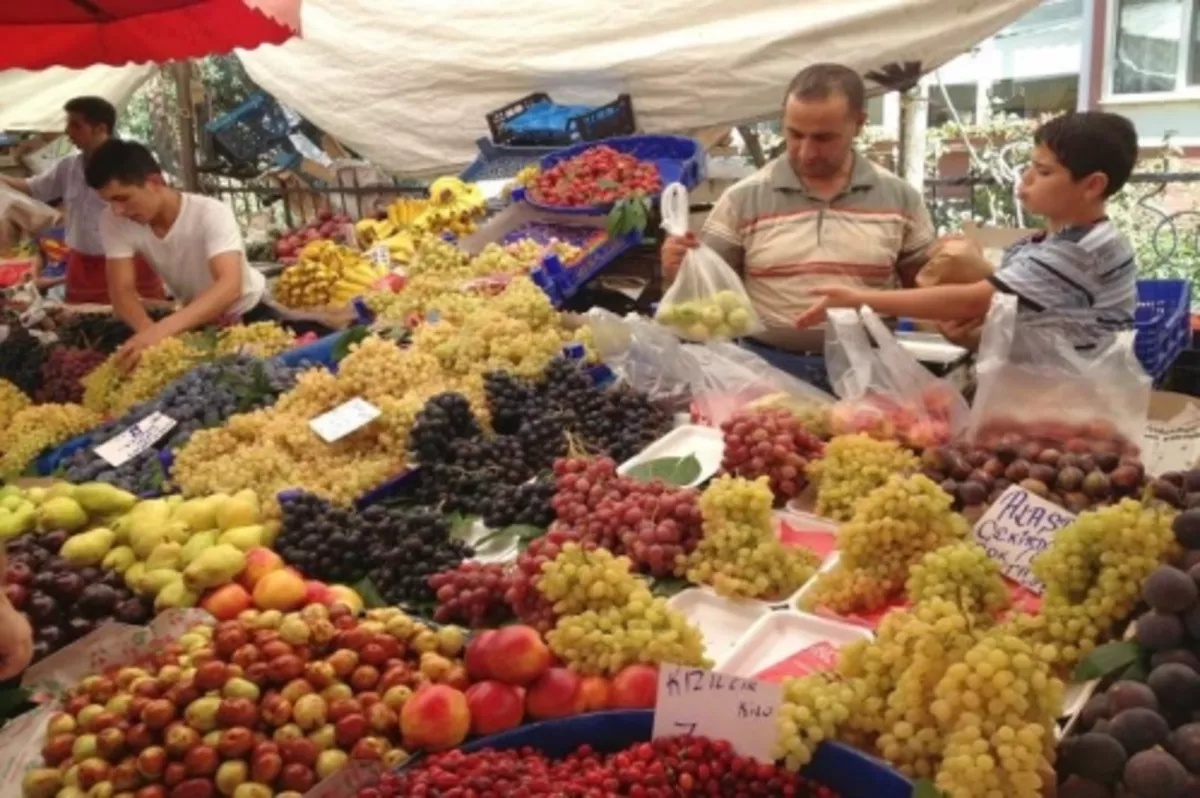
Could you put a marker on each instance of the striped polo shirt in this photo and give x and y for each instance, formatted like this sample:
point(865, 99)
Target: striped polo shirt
point(784, 240)
point(1080, 281)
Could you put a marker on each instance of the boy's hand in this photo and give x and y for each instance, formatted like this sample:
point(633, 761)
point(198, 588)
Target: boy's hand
point(131, 350)
point(828, 296)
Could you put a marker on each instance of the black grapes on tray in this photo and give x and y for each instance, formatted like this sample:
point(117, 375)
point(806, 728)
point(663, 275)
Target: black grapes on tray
point(203, 397)
point(397, 548)
point(504, 478)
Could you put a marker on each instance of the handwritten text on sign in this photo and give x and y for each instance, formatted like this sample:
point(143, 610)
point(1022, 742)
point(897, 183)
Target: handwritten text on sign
point(141, 436)
point(1017, 528)
point(692, 701)
point(344, 419)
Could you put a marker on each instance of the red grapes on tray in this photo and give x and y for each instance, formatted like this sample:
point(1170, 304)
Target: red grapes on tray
point(770, 442)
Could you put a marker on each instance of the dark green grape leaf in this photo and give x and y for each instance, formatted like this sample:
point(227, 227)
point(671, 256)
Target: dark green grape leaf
point(926, 789)
point(1136, 672)
point(667, 586)
point(612, 223)
point(639, 214)
point(1108, 659)
point(461, 526)
point(678, 471)
point(369, 593)
point(341, 347)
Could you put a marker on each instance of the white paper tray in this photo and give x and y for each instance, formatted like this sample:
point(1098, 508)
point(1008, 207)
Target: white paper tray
point(782, 633)
point(706, 443)
point(723, 621)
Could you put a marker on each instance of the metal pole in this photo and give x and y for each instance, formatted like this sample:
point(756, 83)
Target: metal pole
point(187, 125)
point(914, 115)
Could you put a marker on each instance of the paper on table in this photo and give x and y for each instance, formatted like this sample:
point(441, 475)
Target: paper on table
point(344, 419)
point(141, 436)
point(1172, 445)
point(1016, 529)
point(694, 701)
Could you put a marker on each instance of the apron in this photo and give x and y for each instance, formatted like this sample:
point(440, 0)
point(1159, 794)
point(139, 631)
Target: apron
point(87, 280)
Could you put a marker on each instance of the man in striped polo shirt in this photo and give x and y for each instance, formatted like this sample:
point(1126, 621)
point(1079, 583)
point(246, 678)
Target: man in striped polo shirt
point(1077, 278)
point(817, 215)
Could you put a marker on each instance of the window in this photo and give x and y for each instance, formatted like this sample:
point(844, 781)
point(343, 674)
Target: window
point(1150, 54)
point(1029, 99)
point(875, 110)
point(963, 97)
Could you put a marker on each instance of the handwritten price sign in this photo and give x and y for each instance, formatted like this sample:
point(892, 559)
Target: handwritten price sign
point(1017, 528)
point(141, 436)
point(344, 419)
point(693, 701)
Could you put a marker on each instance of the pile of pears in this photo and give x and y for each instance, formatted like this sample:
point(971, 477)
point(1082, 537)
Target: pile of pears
point(170, 549)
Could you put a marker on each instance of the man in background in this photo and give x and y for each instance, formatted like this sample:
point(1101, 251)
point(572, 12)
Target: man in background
point(819, 214)
point(90, 123)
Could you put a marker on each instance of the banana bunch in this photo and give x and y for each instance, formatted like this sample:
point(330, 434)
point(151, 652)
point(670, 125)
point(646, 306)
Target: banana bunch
point(326, 273)
point(453, 206)
point(522, 179)
point(404, 211)
point(356, 278)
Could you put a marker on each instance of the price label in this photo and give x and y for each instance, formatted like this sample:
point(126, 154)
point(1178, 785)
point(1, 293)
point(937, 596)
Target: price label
point(694, 701)
point(1017, 528)
point(344, 419)
point(135, 440)
point(380, 255)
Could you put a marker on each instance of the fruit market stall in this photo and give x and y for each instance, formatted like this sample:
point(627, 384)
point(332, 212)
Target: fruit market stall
point(263, 575)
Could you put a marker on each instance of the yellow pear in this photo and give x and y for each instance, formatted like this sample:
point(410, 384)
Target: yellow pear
point(88, 548)
point(196, 544)
point(240, 509)
point(175, 595)
point(100, 498)
point(198, 514)
point(165, 555)
point(243, 537)
point(214, 567)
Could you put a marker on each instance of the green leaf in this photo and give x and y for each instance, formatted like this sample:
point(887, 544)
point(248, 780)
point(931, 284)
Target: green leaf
point(926, 789)
point(678, 471)
point(667, 586)
point(370, 594)
point(607, 184)
point(353, 335)
point(612, 223)
point(461, 526)
point(1136, 672)
point(525, 532)
point(639, 214)
point(1108, 659)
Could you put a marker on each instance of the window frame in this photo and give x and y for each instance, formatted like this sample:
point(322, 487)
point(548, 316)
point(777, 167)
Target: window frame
point(1181, 92)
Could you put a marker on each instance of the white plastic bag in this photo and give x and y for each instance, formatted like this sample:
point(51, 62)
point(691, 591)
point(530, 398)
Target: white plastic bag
point(644, 355)
point(884, 391)
point(729, 378)
point(1033, 384)
point(707, 300)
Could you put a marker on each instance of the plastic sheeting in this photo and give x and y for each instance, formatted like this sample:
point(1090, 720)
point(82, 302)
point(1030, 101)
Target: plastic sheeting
point(408, 83)
point(33, 101)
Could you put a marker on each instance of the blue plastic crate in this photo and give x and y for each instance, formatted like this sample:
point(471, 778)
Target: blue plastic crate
point(253, 129)
point(564, 282)
point(846, 770)
point(1164, 323)
point(679, 160)
point(502, 162)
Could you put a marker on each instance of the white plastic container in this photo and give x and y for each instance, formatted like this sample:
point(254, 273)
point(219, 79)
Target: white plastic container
point(782, 634)
point(706, 443)
point(723, 621)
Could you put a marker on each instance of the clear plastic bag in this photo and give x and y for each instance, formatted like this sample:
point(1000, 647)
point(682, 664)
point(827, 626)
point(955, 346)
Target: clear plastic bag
point(884, 391)
point(1033, 386)
point(643, 355)
point(728, 378)
point(707, 300)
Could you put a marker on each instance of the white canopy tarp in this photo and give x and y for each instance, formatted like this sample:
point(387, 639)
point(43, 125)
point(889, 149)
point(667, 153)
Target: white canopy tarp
point(408, 83)
point(33, 101)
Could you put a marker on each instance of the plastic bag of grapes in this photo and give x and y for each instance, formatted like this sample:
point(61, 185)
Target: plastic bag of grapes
point(707, 300)
point(729, 378)
point(1033, 386)
point(883, 390)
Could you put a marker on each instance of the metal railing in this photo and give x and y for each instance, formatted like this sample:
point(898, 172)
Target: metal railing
point(292, 204)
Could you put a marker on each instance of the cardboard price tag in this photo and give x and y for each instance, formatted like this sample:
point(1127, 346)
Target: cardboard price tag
point(1016, 529)
point(135, 440)
point(380, 255)
point(693, 701)
point(344, 419)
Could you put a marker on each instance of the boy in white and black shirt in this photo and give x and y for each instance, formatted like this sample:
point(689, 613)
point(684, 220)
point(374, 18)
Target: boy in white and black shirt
point(1078, 277)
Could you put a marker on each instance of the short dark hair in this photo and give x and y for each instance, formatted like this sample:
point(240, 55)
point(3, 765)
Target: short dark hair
point(1088, 142)
point(124, 161)
point(819, 81)
point(96, 110)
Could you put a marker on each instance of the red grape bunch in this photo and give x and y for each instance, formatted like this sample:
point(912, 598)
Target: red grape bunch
point(770, 442)
point(521, 592)
point(653, 524)
point(472, 593)
point(63, 371)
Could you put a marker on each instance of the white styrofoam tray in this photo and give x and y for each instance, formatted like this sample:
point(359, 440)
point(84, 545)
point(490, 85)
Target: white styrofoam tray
point(781, 634)
point(494, 551)
point(706, 443)
point(723, 621)
point(831, 562)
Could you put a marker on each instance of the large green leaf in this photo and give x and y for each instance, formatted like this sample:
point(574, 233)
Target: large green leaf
point(926, 789)
point(1108, 659)
point(369, 593)
point(678, 471)
point(341, 347)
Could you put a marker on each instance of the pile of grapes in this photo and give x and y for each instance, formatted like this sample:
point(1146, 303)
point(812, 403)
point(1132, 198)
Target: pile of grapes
point(22, 357)
point(101, 332)
point(1142, 739)
point(397, 548)
point(666, 766)
point(204, 397)
point(501, 477)
point(770, 442)
point(63, 372)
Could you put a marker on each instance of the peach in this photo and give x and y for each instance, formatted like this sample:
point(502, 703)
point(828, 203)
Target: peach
point(518, 655)
point(478, 653)
point(279, 590)
point(635, 687)
point(495, 707)
point(437, 717)
point(596, 692)
point(317, 593)
point(225, 602)
point(340, 594)
point(260, 561)
point(555, 695)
